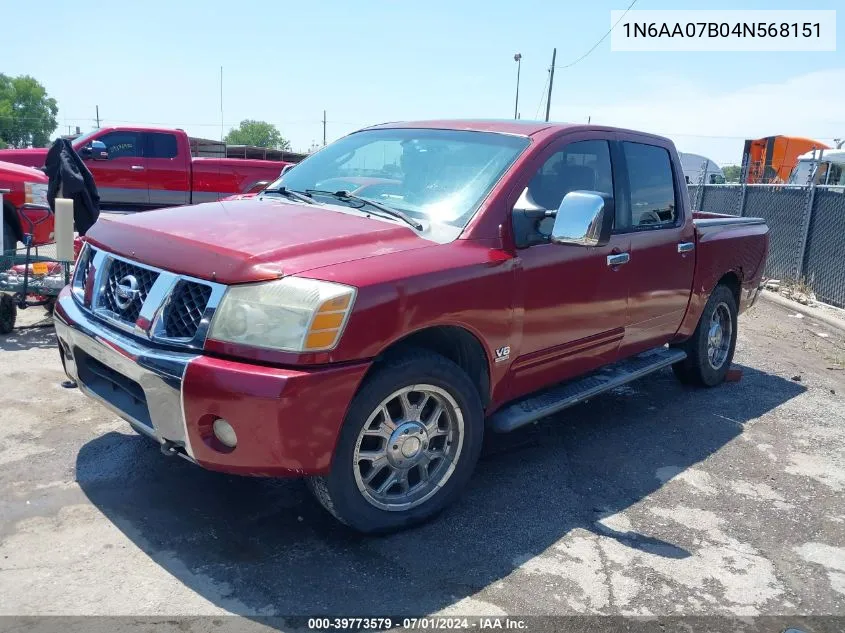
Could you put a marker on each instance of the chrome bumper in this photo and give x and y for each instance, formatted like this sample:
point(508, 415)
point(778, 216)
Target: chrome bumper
point(142, 385)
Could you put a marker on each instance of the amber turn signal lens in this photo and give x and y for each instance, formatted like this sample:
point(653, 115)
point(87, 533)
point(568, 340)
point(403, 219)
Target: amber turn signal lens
point(320, 340)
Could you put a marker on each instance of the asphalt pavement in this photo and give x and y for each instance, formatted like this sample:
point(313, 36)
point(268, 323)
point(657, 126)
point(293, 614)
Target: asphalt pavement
point(655, 499)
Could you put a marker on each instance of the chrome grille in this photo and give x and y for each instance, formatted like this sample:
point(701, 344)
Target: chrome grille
point(183, 314)
point(82, 271)
point(173, 309)
point(120, 270)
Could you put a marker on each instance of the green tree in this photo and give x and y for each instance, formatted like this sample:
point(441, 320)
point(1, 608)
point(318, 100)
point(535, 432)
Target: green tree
point(27, 114)
point(732, 173)
point(258, 134)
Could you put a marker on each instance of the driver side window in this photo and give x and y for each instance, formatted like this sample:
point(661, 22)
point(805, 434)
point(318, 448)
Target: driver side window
point(583, 165)
point(122, 144)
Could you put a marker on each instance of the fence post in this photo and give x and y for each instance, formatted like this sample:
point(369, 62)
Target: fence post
point(809, 203)
point(743, 179)
point(741, 205)
point(699, 193)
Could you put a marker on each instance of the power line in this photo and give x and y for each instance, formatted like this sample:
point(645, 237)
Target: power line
point(542, 98)
point(603, 38)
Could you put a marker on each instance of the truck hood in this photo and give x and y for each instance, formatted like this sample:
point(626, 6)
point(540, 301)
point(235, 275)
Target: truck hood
point(249, 240)
point(33, 157)
point(25, 173)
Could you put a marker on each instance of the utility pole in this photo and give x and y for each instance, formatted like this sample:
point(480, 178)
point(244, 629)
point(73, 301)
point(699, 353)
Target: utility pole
point(551, 83)
point(221, 106)
point(518, 59)
point(324, 128)
point(98, 116)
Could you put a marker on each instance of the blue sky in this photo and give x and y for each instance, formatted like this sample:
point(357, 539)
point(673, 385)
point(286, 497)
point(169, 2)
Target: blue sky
point(373, 61)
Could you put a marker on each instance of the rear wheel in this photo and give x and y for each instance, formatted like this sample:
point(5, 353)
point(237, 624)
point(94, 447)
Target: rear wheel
point(408, 445)
point(8, 313)
point(710, 349)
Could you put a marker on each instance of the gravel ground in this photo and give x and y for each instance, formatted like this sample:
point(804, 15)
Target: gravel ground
point(655, 499)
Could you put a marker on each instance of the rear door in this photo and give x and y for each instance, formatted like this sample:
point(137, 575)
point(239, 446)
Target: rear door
point(167, 173)
point(662, 243)
point(122, 178)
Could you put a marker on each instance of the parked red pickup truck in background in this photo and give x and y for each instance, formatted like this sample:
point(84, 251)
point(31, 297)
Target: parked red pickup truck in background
point(25, 208)
point(508, 270)
point(151, 167)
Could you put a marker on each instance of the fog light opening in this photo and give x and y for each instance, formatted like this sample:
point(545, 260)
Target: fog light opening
point(224, 433)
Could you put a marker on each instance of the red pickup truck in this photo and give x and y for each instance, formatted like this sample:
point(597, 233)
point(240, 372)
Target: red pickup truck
point(151, 167)
point(506, 271)
point(25, 208)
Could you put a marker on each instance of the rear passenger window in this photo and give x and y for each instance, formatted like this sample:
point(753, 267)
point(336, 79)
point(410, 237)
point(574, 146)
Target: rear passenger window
point(160, 145)
point(652, 186)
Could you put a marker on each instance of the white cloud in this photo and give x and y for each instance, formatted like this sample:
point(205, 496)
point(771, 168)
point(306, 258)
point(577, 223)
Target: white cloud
point(714, 124)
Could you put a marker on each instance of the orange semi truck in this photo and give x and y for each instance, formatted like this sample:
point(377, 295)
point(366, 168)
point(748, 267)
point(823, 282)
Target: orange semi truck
point(772, 159)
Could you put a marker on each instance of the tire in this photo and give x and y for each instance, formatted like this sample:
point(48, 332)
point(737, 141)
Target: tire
point(407, 447)
point(707, 365)
point(10, 242)
point(8, 313)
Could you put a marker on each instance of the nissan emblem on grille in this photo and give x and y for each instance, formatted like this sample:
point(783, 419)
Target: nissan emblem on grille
point(126, 291)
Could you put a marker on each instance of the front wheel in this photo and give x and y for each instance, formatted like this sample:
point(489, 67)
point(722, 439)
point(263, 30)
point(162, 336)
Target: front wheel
point(408, 446)
point(710, 350)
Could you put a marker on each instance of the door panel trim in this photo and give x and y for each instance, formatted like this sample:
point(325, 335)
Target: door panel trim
point(123, 195)
point(554, 354)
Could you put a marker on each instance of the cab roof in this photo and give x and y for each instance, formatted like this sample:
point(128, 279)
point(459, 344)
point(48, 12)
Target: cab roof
point(518, 127)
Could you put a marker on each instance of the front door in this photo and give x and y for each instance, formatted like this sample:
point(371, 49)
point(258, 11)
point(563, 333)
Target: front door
point(574, 302)
point(662, 256)
point(122, 178)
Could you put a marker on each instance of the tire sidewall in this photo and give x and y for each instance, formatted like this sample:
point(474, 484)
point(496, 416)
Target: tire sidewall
point(709, 376)
point(8, 313)
point(349, 505)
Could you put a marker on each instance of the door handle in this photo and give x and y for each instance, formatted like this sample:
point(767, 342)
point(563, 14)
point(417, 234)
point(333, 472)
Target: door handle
point(137, 168)
point(686, 247)
point(618, 259)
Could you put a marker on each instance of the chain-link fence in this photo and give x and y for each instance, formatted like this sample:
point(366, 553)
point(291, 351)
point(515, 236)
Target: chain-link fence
point(806, 229)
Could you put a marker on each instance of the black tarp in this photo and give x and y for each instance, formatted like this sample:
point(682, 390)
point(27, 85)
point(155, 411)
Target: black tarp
point(68, 174)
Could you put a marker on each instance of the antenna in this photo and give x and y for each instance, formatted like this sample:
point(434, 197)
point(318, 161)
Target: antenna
point(221, 104)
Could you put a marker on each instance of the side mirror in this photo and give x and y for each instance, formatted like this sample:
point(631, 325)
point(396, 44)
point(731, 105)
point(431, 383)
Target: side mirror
point(584, 218)
point(85, 152)
point(99, 151)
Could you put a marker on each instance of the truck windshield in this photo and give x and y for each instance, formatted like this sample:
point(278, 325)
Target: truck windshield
point(440, 176)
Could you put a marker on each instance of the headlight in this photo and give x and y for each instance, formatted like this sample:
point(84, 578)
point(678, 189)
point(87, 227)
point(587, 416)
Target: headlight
point(291, 314)
point(35, 193)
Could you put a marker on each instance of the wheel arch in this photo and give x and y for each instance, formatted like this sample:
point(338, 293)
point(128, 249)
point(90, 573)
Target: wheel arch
point(454, 342)
point(733, 280)
point(10, 216)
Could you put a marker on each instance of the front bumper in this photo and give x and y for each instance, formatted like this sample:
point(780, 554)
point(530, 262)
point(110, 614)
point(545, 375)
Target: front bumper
point(287, 421)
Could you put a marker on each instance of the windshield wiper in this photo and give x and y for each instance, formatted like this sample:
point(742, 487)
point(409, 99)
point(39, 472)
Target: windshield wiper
point(345, 195)
point(290, 193)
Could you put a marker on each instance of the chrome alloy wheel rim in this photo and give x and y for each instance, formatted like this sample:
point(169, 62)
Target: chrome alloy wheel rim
point(719, 336)
point(408, 447)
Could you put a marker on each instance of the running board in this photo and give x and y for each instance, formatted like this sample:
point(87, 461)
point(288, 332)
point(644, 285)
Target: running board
point(566, 394)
